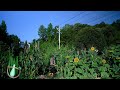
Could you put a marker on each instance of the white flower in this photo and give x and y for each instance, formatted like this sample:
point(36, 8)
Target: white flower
point(96, 50)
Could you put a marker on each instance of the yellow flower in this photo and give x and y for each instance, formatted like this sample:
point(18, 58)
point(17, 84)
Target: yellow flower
point(103, 61)
point(76, 60)
point(92, 48)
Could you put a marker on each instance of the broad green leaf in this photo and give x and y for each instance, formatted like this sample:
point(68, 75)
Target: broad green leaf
point(104, 75)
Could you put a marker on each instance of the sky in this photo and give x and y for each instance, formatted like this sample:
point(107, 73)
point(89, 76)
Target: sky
point(25, 24)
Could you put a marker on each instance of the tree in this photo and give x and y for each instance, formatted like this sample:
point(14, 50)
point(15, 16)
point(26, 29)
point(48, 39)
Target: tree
point(90, 36)
point(14, 43)
point(42, 33)
point(116, 25)
point(55, 33)
point(109, 34)
point(78, 26)
point(3, 31)
point(67, 35)
point(101, 25)
point(50, 31)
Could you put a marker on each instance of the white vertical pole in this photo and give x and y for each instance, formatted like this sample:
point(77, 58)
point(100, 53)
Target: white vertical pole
point(59, 37)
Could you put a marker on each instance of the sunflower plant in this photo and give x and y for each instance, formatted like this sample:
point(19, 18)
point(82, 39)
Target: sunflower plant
point(88, 65)
point(113, 55)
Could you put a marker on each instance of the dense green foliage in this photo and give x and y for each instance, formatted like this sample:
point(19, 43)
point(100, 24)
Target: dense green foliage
point(77, 57)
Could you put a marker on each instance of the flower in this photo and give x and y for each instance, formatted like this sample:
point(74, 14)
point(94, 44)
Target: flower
point(76, 60)
point(92, 48)
point(96, 50)
point(103, 61)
